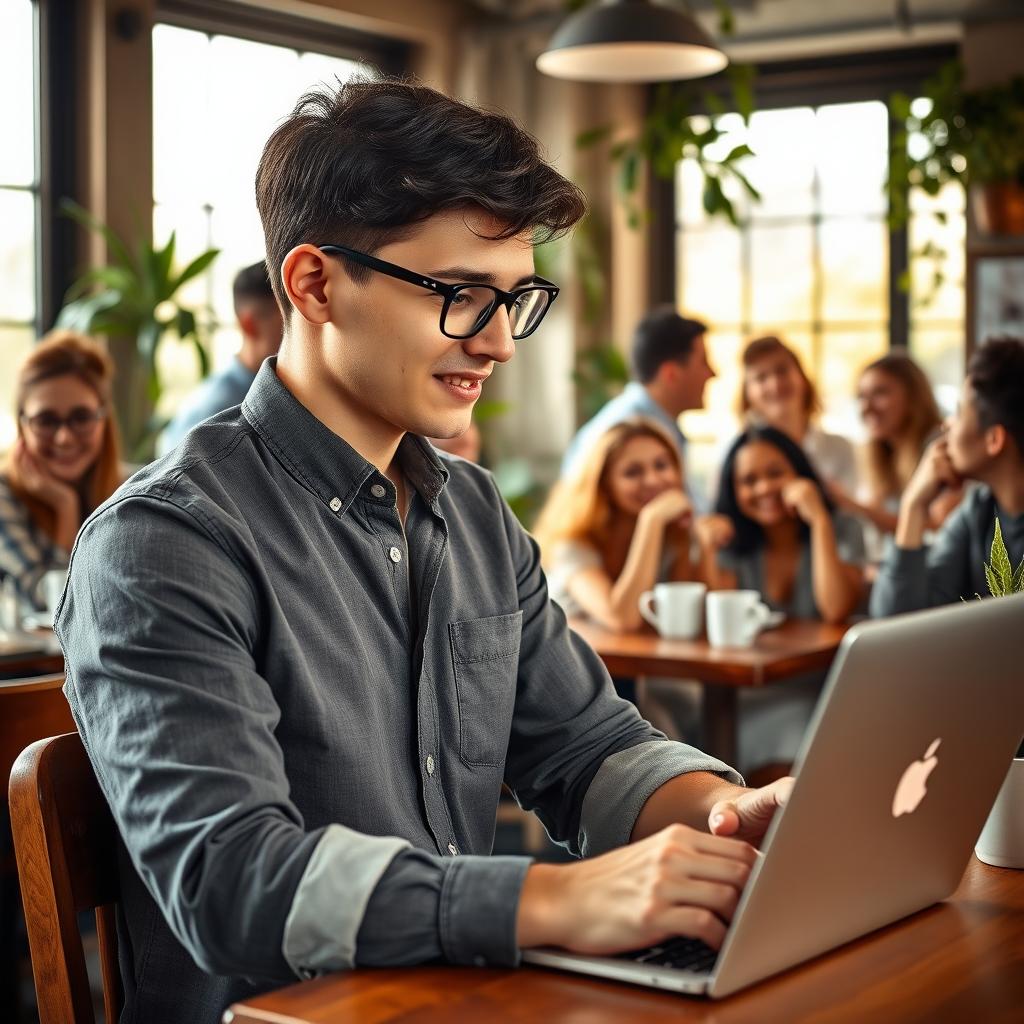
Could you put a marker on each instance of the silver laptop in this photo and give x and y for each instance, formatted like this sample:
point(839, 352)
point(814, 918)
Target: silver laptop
point(914, 733)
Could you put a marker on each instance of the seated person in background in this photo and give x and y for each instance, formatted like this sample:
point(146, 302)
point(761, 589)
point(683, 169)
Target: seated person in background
point(304, 654)
point(670, 369)
point(985, 442)
point(901, 416)
point(774, 531)
point(259, 320)
point(619, 525)
point(778, 393)
point(466, 445)
point(65, 460)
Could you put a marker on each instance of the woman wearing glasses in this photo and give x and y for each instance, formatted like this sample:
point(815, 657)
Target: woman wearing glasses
point(65, 460)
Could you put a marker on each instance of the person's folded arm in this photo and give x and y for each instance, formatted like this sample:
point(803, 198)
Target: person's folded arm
point(158, 625)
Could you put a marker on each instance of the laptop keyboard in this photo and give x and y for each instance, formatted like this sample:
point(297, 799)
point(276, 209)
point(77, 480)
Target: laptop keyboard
point(683, 954)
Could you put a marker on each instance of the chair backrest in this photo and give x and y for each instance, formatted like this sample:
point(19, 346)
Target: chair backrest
point(30, 709)
point(65, 842)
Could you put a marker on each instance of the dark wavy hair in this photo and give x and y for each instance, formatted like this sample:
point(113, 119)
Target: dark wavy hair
point(749, 535)
point(996, 373)
point(363, 163)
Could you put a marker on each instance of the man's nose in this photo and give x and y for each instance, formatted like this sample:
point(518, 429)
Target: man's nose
point(495, 340)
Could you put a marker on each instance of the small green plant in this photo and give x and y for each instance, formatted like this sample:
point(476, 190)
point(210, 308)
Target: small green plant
point(135, 296)
point(999, 573)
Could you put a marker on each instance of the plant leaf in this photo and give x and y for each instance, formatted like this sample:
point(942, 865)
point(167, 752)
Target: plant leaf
point(1001, 561)
point(119, 251)
point(201, 354)
point(197, 266)
point(592, 136)
point(994, 585)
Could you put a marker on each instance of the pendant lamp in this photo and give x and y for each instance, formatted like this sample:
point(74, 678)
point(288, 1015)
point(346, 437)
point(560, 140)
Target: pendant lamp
point(630, 41)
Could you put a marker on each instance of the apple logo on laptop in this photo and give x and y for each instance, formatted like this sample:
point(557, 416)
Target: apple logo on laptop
point(912, 787)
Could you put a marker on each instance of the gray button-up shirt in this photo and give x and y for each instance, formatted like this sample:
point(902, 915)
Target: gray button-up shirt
point(302, 714)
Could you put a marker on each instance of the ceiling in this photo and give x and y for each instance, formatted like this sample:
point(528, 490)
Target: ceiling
point(783, 29)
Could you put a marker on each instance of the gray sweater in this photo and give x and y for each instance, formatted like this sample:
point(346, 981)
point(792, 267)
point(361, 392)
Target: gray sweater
point(953, 566)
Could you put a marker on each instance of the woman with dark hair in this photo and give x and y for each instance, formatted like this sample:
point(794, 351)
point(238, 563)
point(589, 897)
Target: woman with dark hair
point(776, 531)
point(64, 463)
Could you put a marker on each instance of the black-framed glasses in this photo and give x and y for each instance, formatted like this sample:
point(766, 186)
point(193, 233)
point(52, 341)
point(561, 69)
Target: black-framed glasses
point(81, 421)
point(468, 308)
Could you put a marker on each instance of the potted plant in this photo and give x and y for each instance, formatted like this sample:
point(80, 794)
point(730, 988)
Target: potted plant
point(135, 296)
point(1001, 842)
point(971, 136)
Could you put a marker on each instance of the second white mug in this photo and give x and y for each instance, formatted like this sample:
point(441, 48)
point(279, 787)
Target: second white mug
point(735, 617)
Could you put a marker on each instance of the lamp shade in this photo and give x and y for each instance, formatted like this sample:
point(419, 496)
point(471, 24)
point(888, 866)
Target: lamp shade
point(630, 41)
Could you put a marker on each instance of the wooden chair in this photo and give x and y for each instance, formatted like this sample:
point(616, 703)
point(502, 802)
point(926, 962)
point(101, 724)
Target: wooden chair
point(66, 847)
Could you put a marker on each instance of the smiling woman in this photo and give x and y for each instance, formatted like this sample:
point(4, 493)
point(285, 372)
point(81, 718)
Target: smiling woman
point(64, 463)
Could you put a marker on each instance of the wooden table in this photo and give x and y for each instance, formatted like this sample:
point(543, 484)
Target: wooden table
point(790, 650)
point(46, 659)
point(959, 961)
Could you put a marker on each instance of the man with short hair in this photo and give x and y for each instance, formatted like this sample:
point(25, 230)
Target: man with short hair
point(985, 443)
point(670, 370)
point(304, 651)
point(259, 320)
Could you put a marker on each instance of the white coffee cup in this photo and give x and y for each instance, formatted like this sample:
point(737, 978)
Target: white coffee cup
point(1001, 842)
point(680, 609)
point(735, 617)
point(53, 587)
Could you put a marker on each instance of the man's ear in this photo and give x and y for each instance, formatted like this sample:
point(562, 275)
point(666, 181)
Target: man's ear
point(247, 323)
point(305, 273)
point(995, 440)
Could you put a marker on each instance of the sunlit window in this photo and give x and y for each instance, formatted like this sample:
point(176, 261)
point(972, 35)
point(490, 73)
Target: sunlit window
point(810, 262)
point(19, 197)
point(216, 99)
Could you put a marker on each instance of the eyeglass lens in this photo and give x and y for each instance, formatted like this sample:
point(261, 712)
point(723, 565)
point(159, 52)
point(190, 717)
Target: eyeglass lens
point(472, 306)
point(80, 421)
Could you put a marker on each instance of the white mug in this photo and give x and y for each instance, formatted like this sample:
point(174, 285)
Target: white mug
point(53, 588)
point(735, 617)
point(680, 609)
point(1001, 842)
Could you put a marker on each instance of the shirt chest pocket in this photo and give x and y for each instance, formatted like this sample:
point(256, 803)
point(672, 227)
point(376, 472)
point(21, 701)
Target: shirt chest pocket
point(485, 656)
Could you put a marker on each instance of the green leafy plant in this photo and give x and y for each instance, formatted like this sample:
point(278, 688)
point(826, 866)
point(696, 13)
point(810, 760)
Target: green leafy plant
point(971, 137)
point(135, 296)
point(999, 573)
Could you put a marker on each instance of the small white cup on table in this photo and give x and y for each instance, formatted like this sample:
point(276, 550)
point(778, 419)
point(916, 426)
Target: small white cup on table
point(1001, 842)
point(675, 610)
point(735, 617)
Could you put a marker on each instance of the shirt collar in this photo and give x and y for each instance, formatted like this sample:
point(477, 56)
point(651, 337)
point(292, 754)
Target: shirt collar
point(322, 460)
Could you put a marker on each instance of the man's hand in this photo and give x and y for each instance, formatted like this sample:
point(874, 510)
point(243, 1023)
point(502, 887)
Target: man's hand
point(748, 815)
point(934, 473)
point(676, 882)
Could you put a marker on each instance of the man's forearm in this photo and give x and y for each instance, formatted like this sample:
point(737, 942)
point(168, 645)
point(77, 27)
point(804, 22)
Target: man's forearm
point(685, 799)
point(912, 522)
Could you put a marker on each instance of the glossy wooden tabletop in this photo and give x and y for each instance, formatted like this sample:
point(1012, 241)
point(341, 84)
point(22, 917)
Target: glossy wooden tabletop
point(960, 962)
point(795, 647)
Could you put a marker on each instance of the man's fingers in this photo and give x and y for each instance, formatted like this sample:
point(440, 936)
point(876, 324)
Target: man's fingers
point(719, 897)
point(719, 869)
point(724, 846)
point(695, 923)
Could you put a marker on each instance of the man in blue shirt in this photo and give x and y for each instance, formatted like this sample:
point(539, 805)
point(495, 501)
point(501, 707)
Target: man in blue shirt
point(670, 370)
point(259, 319)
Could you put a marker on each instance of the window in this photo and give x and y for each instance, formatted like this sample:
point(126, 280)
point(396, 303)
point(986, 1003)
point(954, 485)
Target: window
point(810, 262)
point(216, 99)
point(19, 199)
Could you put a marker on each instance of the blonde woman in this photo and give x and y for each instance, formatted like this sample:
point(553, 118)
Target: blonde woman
point(65, 460)
point(616, 527)
point(901, 416)
point(778, 393)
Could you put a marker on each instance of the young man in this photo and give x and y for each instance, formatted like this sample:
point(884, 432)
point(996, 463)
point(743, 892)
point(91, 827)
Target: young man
point(985, 442)
point(304, 651)
point(259, 320)
point(670, 371)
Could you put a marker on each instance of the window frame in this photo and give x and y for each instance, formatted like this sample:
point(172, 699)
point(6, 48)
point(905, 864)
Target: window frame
point(812, 83)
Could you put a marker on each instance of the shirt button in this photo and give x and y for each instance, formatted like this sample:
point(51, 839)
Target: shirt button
point(453, 850)
point(335, 504)
point(395, 555)
point(430, 765)
point(377, 491)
